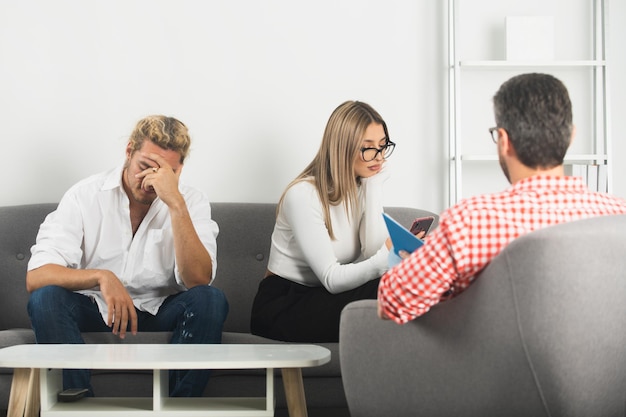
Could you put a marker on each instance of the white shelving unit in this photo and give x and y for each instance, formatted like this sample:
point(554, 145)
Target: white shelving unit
point(599, 137)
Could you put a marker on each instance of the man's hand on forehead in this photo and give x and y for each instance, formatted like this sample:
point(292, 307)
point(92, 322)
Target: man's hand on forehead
point(155, 160)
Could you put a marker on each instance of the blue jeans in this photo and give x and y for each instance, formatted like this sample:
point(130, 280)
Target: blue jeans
point(195, 316)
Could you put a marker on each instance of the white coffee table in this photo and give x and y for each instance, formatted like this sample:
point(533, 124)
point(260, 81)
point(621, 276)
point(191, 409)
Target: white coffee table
point(37, 377)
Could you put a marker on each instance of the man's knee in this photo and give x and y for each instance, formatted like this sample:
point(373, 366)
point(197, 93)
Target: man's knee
point(44, 300)
point(210, 300)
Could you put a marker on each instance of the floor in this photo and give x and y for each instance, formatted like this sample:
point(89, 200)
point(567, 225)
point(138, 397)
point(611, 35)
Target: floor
point(318, 412)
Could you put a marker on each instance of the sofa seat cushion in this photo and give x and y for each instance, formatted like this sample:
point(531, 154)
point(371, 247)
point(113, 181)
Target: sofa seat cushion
point(14, 337)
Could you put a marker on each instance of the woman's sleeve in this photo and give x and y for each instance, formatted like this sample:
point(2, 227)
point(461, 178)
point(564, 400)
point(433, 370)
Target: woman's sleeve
point(303, 211)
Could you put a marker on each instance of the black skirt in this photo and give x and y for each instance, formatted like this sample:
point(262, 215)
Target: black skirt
point(292, 312)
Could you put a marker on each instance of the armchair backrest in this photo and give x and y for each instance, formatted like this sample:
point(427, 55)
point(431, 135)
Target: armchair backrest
point(541, 332)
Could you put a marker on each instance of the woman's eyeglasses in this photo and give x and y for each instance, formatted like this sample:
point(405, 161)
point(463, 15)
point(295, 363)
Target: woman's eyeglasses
point(369, 154)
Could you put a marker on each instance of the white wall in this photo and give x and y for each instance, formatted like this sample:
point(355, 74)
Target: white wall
point(255, 81)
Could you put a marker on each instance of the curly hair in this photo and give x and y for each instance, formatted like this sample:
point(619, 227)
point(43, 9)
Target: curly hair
point(165, 132)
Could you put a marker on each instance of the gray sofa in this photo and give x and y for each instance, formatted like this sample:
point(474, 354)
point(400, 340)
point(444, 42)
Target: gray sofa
point(541, 332)
point(243, 247)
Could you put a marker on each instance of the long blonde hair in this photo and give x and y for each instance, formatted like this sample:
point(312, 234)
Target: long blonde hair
point(332, 169)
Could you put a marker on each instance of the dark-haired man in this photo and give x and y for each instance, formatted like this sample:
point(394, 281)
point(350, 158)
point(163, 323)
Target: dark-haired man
point(533, 131)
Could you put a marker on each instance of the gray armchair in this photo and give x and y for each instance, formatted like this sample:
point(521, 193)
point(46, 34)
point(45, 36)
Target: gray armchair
point(541, 332)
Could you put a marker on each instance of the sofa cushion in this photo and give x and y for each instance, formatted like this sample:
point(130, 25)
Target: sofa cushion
point(18, 229)
point(16, 337)
point(243, 246)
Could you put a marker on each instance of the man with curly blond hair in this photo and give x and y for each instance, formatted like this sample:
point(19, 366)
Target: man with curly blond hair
point(131, 249)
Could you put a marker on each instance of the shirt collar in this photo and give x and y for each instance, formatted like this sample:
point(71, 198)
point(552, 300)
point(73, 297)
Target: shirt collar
point(113, 179)
point(549, 182)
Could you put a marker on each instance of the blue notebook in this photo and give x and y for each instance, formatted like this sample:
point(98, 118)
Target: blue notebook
point(401, 237)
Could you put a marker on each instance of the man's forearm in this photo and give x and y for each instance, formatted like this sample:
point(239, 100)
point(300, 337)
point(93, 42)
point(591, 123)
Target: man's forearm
point(52, 274)
point(194, 262)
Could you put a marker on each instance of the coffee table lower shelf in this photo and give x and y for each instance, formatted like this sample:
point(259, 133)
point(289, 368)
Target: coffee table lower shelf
point(140, 407)
point(159, 405)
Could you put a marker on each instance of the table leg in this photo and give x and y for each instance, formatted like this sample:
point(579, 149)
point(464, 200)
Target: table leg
point(294, 392)
point(33, 398)
point(24, 396)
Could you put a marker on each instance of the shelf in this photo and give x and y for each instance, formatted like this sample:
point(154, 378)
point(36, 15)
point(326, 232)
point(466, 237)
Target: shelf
point(594, 66)
point(568, 158)
point(533, 64)
point(142, 406)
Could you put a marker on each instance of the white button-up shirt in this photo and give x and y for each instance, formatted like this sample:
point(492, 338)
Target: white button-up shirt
point(91, 229)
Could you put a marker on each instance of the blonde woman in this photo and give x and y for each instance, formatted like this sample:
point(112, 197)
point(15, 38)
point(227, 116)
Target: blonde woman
point(329, 245)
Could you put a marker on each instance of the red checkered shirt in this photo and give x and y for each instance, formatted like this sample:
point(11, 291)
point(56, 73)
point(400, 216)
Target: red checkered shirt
point(474, 231)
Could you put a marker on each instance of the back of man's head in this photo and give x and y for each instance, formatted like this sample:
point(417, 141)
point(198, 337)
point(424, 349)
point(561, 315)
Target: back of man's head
point(536, 112)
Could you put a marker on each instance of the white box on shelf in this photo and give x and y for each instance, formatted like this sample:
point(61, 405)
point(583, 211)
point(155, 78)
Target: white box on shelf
point(529, 38)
